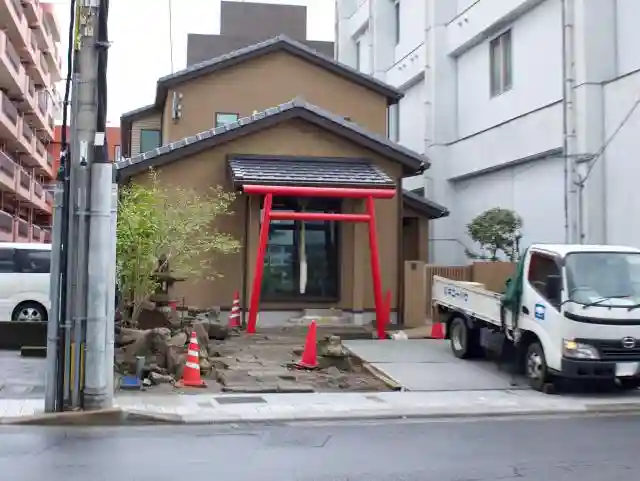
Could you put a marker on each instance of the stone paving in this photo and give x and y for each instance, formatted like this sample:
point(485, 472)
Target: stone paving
point(21, 378)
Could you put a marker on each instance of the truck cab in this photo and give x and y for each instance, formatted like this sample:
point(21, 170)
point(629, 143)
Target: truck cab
point(579, 313)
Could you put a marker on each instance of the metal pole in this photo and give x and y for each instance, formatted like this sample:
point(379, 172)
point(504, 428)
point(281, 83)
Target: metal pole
point(52, 323)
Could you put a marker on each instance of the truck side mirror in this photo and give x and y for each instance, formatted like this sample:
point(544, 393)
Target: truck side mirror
point(553, 287)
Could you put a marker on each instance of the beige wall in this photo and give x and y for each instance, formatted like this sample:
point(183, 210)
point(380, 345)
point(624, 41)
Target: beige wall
point(152, 122)
point(265, 82)
point(291, 138)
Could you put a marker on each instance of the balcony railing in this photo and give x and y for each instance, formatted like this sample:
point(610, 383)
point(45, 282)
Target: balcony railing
point(22, 228)
point(6, 222)
point(10, 110)
point(50, 121)
point(24, 180)
point(27, 133)
point(40, 149)
point(49, 159)
point(12, 55)
point(17, 8)
point(43, 63)
point(48, 197)
point(38, 190)
point(34, 42)
point(47, 236)
point(7, 165)
point(36, 233)
point(42, 102)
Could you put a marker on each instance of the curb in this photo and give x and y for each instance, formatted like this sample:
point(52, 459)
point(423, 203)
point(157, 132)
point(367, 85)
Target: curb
point(103, 417)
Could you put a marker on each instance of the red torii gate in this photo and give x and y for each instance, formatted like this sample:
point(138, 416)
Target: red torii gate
point(268, 215)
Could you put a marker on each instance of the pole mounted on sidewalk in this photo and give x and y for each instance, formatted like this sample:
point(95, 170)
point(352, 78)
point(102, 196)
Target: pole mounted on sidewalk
point(84, 255)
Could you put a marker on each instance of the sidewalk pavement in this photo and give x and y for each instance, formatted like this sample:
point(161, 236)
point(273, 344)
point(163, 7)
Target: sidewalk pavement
point(222, 409)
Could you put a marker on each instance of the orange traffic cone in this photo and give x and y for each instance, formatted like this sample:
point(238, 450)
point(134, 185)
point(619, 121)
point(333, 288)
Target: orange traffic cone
point(234, 316)
point(437, 330)
point(191, 374)
point(309, 358)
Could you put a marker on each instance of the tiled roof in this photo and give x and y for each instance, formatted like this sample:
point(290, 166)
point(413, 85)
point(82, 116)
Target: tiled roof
point(281, 42)
point(297, 108)
point(424, 205)
point(307, 172)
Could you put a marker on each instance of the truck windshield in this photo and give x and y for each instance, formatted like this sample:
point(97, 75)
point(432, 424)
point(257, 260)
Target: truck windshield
point(603, 278)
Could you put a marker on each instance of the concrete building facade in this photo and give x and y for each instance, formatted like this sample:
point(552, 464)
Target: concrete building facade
point(513, 103)
point(30, 64)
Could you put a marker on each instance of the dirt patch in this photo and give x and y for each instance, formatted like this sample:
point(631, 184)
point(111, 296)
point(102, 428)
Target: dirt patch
point(263, 363)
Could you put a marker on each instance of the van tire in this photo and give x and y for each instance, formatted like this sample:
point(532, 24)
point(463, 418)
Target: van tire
point(465, 342)
point(34, 309)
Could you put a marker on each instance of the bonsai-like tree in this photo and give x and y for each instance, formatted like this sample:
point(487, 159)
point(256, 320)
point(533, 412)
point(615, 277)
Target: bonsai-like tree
point(160, 224)
point(497, 231)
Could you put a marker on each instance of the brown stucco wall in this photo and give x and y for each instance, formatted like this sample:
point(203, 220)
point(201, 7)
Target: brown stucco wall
point(290, 138)
point(417, 242)
point(266, 82)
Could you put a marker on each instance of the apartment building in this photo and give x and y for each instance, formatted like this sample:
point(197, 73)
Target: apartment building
point(246, 23)
point(30, 64)
point(512, 101)
point(112, 138)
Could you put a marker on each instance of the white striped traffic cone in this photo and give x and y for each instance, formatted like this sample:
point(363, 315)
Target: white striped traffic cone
point(191, 373)
point(234, 316)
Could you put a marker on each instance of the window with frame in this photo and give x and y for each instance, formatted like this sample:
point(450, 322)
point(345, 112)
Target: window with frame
point(291, 242)
point(223, 118)
point(500, 59)
point(540, 268)
point(7, 261)
point(34, 261)
point(396, 20)
point(149, 140)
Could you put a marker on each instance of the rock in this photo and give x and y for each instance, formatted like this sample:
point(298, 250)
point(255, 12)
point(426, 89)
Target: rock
point(175, 359)
point(218, 363)
point(332, 347)
point(126, 336)
point(152, 345)
point(151, 318)
point(157, 378)
point(179, 340)
point(213, 329)
point(205, 366)
point(202, 333)
point(333, 371)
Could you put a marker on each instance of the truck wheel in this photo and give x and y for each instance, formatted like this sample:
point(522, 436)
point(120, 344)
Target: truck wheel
point(464, 341)
point(629, 384)
point(536, 367)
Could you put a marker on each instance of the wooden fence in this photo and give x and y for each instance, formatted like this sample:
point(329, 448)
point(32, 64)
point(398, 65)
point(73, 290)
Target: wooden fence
point(419, 279)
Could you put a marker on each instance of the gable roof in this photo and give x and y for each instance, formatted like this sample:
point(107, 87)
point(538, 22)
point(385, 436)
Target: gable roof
point(412, 162)
point(280, 43)
point(421, 204)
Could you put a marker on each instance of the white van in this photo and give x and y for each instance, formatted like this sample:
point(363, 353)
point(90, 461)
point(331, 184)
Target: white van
point(24, 282)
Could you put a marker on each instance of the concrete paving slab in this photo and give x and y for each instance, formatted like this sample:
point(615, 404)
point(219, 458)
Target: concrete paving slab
point(429, 365)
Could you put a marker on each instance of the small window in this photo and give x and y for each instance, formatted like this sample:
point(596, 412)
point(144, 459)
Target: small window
point(540, 268)
point(7, 261)
point(149, 140)
point(117, 153)
point(396, 20)
point(223, 118)
point(501, 63)
point(34, 261)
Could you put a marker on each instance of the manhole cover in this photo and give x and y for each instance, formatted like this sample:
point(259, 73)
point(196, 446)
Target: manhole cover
point(241, 400)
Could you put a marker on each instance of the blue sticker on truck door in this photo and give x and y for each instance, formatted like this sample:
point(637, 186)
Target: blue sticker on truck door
point(540, 312)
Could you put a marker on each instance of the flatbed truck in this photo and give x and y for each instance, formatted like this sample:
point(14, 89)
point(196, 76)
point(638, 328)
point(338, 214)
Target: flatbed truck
point(569, 311)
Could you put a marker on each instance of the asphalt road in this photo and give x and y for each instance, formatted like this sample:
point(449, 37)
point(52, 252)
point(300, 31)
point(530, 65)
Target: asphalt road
point(566, 449)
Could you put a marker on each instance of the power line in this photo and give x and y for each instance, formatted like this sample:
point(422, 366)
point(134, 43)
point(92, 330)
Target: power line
point(606, 144)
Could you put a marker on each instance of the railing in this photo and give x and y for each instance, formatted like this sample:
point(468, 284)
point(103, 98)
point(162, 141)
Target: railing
point(43, 63)
point(25, 180)
point(47, 235)
point(38, 190)
point(42, 102)
point(17, 7)
point(23, 228)
point(50, 121)
point(34, 42)
point(7, 165)
point(48, 198)
point(12, 55)
point(36, 233)
point(31, 87)
point(27, 133)
point(9, 109)
point(40, 148)
point(6, 222)
point(49, 159)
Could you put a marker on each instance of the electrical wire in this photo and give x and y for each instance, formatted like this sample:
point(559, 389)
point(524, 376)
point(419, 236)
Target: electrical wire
point(63, 176)
point(606, 144)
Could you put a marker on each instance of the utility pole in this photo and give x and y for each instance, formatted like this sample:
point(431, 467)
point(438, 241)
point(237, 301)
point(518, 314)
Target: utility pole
point(85, 301)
